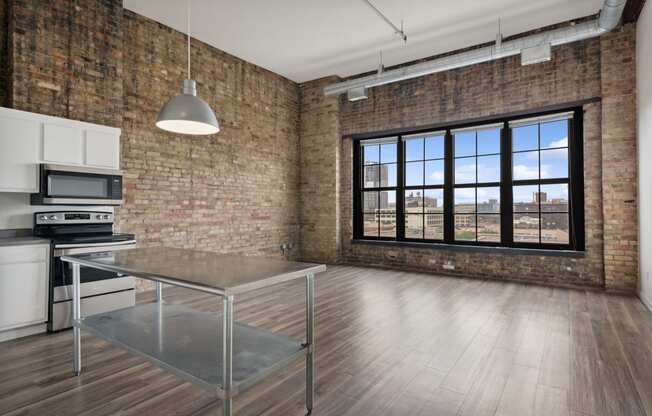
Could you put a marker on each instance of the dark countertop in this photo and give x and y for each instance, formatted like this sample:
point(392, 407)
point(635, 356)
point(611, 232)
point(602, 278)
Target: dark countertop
point(22, 241)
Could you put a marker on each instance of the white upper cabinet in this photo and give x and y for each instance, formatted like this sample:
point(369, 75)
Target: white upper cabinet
point(62, 144)
point(20, 139)
point(27, 139)
point(102, 149)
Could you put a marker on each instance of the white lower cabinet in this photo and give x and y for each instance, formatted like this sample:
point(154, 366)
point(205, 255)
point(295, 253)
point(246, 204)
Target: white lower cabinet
point(24, 274)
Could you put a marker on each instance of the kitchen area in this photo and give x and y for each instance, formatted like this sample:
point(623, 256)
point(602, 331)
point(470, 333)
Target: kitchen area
point(345, 208)
point(60, 183)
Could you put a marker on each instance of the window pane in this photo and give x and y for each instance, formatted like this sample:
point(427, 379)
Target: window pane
point(371, 179)
point(435, 147)
point(489, 141)
point(525, 166)
point(465, 170)
point(554, 163)
point(489, 200)
point(413, 201)
point(465, 227)
point(434, 227)
point(488, 169)
point(525, 138)
point(434, 200)
point(464, 200)
point(465, 144)
point(370, 225)
point(370, 202)
point(388, 200)
point(388, 224)
point(489, 228)
point(388, 153)
point(526, 228)
point(554, 198)
point(414, 149)
point(414, 173)
point(525, 198)
point(371, 154)
point(554, 134)
point(388, 175)
point(554, 228)
point(435, 172)
point(413, 226)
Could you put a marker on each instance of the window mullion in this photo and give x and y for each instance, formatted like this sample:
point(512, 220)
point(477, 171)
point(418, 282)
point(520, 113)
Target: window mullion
point(449, 218)
point(400, 189)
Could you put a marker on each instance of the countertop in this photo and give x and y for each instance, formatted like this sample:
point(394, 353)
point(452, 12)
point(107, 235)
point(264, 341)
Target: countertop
point(210, 272)
point(22, 241)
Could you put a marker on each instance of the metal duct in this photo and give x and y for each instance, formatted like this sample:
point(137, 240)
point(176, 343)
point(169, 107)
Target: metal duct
point(609, 18)
point(612, 11)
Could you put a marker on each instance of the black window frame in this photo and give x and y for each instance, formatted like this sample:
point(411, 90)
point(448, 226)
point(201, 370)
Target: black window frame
point(575, 182)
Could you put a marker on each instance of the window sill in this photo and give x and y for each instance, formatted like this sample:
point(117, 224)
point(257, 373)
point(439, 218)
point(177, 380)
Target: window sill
point(477, 249)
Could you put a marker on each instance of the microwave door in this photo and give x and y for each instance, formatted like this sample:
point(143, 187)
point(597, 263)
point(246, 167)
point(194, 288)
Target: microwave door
point(78, 186)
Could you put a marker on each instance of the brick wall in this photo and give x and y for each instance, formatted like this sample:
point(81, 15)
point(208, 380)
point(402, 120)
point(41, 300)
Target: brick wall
point(256, 185)
point(577, 71)
point(236, 191)
point(320, 164)
point(4, 53)
point(619, 166)
point(67, 59)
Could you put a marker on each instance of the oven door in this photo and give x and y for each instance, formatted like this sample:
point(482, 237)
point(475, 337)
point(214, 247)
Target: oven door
point(66, 185)
point(101, 291)
point(93, 281)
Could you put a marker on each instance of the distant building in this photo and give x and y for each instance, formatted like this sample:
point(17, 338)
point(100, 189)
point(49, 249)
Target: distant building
point(540, 197)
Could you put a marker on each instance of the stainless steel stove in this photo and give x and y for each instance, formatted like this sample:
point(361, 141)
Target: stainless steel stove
point(83, 232)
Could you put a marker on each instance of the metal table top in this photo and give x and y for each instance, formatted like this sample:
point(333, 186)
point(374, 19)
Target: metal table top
point(199, 270)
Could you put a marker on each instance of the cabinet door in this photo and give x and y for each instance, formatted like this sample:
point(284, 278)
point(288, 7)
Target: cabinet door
point(19, 144)
point(102, 149)
point(23, 294)
point(62, 144)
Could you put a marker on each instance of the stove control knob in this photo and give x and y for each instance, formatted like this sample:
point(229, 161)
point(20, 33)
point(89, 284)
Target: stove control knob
point(98, 217)
point(105, 216)
point(53, 217)
point(43, 217)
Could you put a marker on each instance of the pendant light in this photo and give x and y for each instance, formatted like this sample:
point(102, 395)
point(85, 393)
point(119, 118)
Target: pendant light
point(187, 113)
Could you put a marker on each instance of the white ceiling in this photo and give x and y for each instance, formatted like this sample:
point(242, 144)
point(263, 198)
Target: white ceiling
point(308, 39)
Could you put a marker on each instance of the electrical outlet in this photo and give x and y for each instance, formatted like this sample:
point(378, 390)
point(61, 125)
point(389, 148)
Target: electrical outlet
point(449, 266)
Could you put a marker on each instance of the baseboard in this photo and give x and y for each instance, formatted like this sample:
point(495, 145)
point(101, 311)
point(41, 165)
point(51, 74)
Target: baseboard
point(22, 332)
point(646, 301)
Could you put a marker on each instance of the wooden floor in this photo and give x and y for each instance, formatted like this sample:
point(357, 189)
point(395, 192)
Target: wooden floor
point(387, 343)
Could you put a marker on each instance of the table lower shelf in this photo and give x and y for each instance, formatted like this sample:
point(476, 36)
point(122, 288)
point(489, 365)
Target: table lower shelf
point(188, 343)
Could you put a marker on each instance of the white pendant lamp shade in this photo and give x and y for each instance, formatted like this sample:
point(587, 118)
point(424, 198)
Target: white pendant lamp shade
point(187, 113)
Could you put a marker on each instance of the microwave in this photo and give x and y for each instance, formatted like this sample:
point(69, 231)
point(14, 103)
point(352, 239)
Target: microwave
point(76, 185)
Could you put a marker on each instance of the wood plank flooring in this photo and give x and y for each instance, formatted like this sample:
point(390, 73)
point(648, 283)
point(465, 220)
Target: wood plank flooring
point(387, 343)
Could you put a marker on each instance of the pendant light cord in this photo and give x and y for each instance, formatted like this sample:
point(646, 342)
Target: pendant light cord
point(188, 33)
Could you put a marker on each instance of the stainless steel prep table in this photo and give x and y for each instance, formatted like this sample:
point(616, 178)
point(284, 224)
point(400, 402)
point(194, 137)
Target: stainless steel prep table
point(190, 342)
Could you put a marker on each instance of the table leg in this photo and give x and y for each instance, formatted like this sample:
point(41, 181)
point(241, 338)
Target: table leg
point(310, 339)
point(227, 354)
point(76, 314)
point(159, 292)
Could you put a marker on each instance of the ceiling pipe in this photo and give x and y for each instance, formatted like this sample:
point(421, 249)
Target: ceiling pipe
point(608, 20)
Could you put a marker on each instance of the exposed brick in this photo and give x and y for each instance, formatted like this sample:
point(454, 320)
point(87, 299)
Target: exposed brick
point(591, 68)
point(619, 168)
point(320, 164)
point(236, 191)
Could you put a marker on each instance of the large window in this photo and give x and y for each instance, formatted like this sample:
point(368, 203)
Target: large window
point(514, 182)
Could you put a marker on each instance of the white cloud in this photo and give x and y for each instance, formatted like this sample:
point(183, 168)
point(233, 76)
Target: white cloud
point(563, 142)
point(525, 172)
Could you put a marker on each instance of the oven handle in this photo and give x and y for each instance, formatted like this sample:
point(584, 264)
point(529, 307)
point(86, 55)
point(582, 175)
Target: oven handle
point(71, 249)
